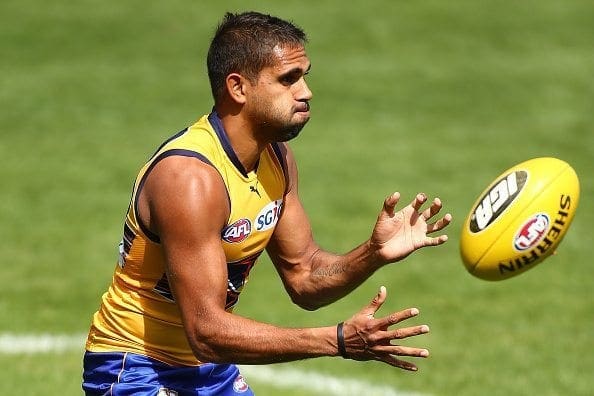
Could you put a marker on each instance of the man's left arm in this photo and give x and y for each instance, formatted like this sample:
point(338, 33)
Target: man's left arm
point(314, 277)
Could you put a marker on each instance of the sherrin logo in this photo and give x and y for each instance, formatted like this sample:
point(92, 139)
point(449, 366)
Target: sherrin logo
point(237, 231)
point(268, 216)
point(540, 248)
point(531, 232)
point(497, 199)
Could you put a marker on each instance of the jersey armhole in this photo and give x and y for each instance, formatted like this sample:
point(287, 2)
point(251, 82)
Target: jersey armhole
point(179, 152)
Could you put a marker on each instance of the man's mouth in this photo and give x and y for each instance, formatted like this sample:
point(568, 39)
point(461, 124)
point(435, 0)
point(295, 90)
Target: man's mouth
point(303, 107)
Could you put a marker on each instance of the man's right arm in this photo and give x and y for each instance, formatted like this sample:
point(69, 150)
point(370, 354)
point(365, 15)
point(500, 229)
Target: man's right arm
point(184, 201)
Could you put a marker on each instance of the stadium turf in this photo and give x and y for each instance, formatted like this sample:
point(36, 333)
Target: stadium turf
point(410, 96)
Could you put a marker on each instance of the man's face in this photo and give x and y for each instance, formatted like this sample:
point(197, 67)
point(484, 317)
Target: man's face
point(279, 100)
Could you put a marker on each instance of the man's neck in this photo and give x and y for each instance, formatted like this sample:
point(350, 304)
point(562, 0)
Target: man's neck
point(243, 140)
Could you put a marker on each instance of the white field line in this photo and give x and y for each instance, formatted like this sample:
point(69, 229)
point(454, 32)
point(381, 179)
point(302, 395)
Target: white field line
point(277, 376)
point(20, 344)
point(322, 384)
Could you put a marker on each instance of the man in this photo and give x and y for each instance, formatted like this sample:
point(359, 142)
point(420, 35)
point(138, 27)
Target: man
point(203, 209)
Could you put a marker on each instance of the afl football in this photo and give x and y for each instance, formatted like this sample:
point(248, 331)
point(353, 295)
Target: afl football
point(519, 219)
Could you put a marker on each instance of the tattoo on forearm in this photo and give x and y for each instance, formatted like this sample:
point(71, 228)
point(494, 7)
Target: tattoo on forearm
point(334, 269)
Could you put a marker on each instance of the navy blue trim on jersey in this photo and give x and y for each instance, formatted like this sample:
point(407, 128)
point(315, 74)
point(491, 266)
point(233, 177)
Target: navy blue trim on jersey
point(181, 152)
point(169, 140)
point(217, 125)
point(128, 237)
point(163, 289)
point(237, 274)
point(280, 155)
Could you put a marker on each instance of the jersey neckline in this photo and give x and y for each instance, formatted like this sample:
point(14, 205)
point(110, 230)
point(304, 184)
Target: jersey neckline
point(217, 125)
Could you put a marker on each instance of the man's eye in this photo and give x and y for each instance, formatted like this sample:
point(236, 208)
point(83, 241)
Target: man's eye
point(289, 79)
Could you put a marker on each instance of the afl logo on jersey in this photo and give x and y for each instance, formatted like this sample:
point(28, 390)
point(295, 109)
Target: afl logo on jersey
point(268, 216)
point(237, 231)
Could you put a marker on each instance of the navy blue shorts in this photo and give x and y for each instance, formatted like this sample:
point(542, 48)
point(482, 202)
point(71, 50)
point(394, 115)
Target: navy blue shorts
point(122, 373)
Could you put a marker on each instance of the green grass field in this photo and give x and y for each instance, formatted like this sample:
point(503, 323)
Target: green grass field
point(428, 96)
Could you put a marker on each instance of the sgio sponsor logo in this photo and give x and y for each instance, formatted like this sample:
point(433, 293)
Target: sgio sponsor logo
point(237, 231)
point(497, 199)
point(268, 216)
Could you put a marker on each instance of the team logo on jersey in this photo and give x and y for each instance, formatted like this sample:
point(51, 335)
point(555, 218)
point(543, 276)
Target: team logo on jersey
point(268, 216)
point(531, 232)
point(237, 231)
point(240, 386)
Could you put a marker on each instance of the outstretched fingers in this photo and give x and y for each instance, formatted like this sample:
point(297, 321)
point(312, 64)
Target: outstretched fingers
point(439, 224)
point(433, 209)
point(406, 332)
point(365, 337)
point(390, 203)
point(397, 317)
point(385, 351)
point(418, 201)
point(435, 241)
point(399, 350)
point(376, 303)
point(402, 364)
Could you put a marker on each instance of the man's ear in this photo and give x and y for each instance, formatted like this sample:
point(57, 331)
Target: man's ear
point(236, 87)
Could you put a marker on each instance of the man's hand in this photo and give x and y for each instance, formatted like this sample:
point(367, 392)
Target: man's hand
point(398, 234)
point(368, 338)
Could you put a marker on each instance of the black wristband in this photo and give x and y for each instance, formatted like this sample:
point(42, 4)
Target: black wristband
point(340, 339)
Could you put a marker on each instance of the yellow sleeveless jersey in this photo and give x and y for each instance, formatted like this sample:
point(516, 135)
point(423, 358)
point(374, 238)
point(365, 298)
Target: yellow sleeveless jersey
point(138, 313)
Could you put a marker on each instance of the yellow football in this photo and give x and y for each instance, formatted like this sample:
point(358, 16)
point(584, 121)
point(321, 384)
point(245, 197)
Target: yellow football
point(520, 218)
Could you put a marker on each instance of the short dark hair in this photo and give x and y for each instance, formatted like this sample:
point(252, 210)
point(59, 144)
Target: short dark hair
point(243, 43)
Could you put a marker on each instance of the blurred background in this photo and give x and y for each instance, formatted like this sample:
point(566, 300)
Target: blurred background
point(430, 96)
